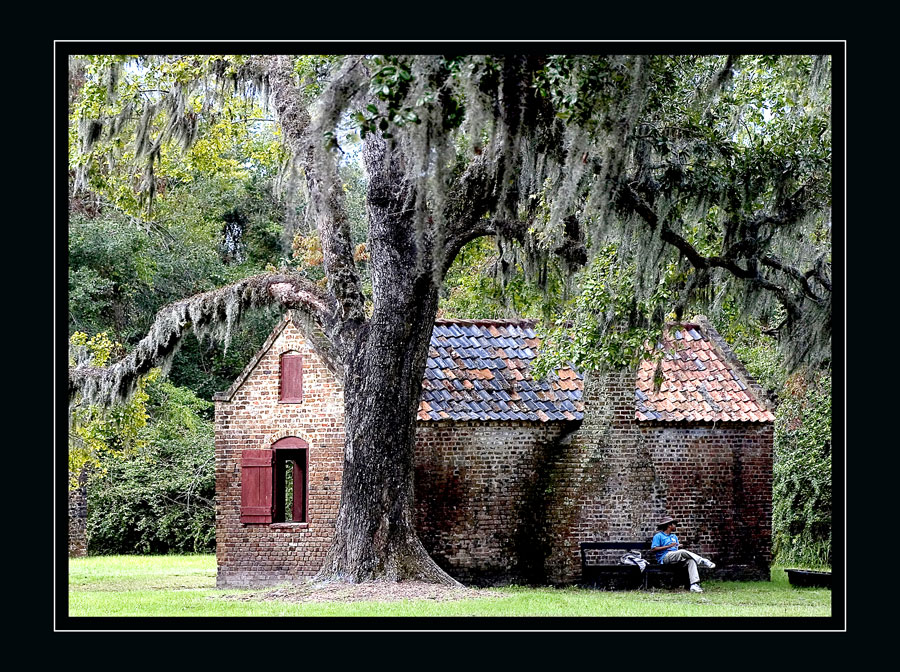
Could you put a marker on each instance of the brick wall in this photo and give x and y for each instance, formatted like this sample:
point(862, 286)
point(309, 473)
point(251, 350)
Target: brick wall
point(267, 554)
point(502, 502)
point(483, 494)
point(509, 502)
point(78, 520)
point(714, 478)
point(718, 485)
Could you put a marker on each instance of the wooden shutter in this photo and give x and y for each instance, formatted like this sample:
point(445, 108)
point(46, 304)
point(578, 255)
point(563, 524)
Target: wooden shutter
point(291, 377)
point(299, 509)
point(256, 486)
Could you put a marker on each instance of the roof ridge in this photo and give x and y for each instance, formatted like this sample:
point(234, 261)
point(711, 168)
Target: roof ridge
point(487, 321)
point(303, 323)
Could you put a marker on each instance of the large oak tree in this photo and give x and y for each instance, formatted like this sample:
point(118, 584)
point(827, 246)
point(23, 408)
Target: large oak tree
point(718, 167)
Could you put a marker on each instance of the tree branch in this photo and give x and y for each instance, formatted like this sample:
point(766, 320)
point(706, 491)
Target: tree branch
point(210, 313)
point(305, 139)
point(631, 199)
point(802, 279)
point(472, 197)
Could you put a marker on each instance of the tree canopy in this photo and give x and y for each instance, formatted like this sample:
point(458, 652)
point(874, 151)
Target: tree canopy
point(682, 182)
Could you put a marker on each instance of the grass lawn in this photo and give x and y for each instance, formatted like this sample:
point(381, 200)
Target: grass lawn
point(184, 585)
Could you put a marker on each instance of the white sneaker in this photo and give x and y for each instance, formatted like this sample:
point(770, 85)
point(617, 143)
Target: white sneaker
point(709, 564)
point(695, 588)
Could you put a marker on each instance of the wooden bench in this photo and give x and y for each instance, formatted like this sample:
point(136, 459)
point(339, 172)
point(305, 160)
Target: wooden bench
point(627, 576)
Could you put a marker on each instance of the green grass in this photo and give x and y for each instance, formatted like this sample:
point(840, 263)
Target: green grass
point(184, 585)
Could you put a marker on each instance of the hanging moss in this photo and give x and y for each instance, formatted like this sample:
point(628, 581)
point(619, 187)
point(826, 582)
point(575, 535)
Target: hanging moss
point(209, 315)
point(568, 152)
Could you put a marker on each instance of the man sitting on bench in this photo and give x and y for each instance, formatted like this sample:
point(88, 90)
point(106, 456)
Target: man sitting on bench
point(665, 545)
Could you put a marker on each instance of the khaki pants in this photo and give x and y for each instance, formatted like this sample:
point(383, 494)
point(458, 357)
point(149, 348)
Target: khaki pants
point(685, 556)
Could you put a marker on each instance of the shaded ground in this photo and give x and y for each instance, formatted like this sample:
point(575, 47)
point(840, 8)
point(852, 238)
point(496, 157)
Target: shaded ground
point(361, 592)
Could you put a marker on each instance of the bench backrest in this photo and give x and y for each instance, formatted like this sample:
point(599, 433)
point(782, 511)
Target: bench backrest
point(614, 545)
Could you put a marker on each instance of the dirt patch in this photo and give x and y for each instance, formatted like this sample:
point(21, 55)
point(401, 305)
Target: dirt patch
point(365, 592)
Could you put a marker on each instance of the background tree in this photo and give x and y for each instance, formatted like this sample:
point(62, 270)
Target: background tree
point(159, 498)
point(719, 166)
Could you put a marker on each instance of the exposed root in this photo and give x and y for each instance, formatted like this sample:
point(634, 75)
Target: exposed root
point(409, 563)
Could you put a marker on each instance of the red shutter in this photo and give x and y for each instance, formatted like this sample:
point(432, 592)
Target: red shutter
point(291, 377)
point(256, 486)
point(298, 512)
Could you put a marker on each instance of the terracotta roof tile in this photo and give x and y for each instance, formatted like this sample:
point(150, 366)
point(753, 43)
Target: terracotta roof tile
point(480, 370)
point(701, 383)
point(490, 361)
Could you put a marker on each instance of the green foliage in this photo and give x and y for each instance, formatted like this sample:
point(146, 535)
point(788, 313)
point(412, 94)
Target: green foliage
point(608, 325)
point(474, 287)
point(165, 105)
point(98, 433)
point(801, 517)
point(206, 233)
point(312, 72)
point(802, 478)
point(732, 156)
point(110, 274)
point(389, 85)
point(160, 498)
point(207, 367)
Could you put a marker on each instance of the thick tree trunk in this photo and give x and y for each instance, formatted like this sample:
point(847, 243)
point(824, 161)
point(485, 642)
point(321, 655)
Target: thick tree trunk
point(375, 536)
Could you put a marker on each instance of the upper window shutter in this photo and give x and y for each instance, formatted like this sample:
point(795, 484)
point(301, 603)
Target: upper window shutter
point(256, 486)
point(291, 377)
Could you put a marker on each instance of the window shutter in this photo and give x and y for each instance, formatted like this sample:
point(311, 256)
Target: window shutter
point(256, 486)
point(291, 377)
point(298, 511)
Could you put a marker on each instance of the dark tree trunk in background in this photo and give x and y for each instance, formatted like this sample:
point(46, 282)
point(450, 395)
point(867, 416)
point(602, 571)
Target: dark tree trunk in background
point(375, 536)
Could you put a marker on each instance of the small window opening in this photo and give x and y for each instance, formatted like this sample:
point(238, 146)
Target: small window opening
point(291, 378)
point(290, 485)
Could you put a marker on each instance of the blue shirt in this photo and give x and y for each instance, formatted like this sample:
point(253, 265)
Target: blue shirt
point(661, 539)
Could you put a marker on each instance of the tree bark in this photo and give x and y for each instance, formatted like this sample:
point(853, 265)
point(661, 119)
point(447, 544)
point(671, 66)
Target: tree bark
point(375, 536)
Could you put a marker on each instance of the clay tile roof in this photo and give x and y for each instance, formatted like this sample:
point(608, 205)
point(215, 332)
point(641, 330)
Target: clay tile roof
point(480, 370)
point(496, 356)
point(709, 373)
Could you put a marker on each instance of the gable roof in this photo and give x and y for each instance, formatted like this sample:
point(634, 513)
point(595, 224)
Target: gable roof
point(480, 370)
point(306, 326)
point(702, 380)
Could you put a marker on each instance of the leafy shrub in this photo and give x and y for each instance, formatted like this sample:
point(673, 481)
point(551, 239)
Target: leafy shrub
point(161, 497)
point(801, 517)
point(801, 489)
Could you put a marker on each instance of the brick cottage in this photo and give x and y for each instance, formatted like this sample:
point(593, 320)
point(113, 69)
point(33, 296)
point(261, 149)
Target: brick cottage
point(511, 473)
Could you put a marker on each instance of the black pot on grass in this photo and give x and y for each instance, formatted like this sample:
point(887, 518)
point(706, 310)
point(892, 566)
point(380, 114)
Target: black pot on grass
point(806, 578)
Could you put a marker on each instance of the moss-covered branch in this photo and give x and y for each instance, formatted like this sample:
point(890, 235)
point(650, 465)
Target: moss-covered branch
point(211, 314)
point(305, 136)
point(742, 262)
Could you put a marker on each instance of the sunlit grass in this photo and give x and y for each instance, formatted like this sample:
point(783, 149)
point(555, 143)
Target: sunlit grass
point(185, 586)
